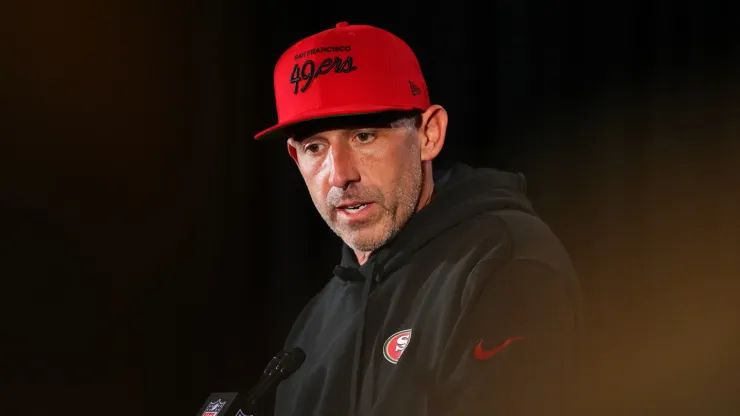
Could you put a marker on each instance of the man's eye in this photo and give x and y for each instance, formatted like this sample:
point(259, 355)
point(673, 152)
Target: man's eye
point(312, 148)
point(365, 136)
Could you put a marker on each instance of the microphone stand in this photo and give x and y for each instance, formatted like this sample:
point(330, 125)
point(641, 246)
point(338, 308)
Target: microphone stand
point(280, 367)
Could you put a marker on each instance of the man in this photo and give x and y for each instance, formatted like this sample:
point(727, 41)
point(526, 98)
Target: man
point(452, 297)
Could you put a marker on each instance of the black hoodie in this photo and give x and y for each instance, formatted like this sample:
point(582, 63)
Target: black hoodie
point(475, 291)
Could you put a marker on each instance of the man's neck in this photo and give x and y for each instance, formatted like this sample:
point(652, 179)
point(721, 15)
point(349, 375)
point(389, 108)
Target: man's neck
point(362, 256)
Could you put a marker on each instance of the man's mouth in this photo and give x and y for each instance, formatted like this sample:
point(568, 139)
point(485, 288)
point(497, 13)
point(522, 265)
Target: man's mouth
point(354, 208)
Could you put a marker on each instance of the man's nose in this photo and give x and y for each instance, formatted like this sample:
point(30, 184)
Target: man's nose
point(343, 169)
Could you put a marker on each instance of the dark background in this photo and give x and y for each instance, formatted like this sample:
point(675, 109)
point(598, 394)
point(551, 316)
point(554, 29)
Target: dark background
point(153, 252)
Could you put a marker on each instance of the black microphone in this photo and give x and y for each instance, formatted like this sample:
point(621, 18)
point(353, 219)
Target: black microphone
point(280, 367)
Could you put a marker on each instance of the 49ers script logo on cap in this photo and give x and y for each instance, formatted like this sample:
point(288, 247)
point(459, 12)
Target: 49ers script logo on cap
point(396, 344)
point(309, 71)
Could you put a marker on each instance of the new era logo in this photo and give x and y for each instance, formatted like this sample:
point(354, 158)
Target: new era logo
point(414, 89)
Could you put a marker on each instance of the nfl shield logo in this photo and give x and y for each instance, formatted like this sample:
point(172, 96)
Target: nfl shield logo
point(214, 407)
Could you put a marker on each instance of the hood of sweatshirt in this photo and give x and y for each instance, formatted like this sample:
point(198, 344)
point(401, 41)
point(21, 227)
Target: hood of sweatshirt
point(460, 193)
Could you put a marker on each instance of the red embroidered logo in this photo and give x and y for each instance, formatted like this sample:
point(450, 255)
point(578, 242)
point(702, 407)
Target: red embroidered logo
point(395, 345)
point(480, 354)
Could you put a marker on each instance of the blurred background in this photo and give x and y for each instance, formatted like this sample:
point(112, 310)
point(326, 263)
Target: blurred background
point(153, 252)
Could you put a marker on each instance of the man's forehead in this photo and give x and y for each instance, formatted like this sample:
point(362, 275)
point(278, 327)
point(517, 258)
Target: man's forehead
point(343, 124)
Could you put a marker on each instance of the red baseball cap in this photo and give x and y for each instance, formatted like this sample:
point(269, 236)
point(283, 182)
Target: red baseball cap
point(346, 70)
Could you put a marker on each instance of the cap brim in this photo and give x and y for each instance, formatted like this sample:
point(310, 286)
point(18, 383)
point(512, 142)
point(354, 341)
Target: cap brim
point(282, 130)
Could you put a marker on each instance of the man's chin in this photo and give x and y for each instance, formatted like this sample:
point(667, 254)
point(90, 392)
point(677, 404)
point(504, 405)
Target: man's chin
point(364, 240)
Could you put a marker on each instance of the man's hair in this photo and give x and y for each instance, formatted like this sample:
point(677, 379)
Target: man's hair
point(409, 122)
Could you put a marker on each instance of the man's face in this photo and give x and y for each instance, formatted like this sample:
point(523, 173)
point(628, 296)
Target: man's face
point(365, 182)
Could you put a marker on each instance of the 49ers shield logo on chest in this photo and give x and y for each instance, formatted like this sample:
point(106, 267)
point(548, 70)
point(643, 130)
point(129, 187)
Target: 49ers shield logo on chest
point(395, 345)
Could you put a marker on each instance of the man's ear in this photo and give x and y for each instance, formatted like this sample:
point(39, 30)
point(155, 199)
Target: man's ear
point(432, 132)
point(292, 151)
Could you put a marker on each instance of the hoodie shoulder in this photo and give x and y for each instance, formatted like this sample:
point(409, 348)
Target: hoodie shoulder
point(496, 202)
point(314, 310)
point(532, 239)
